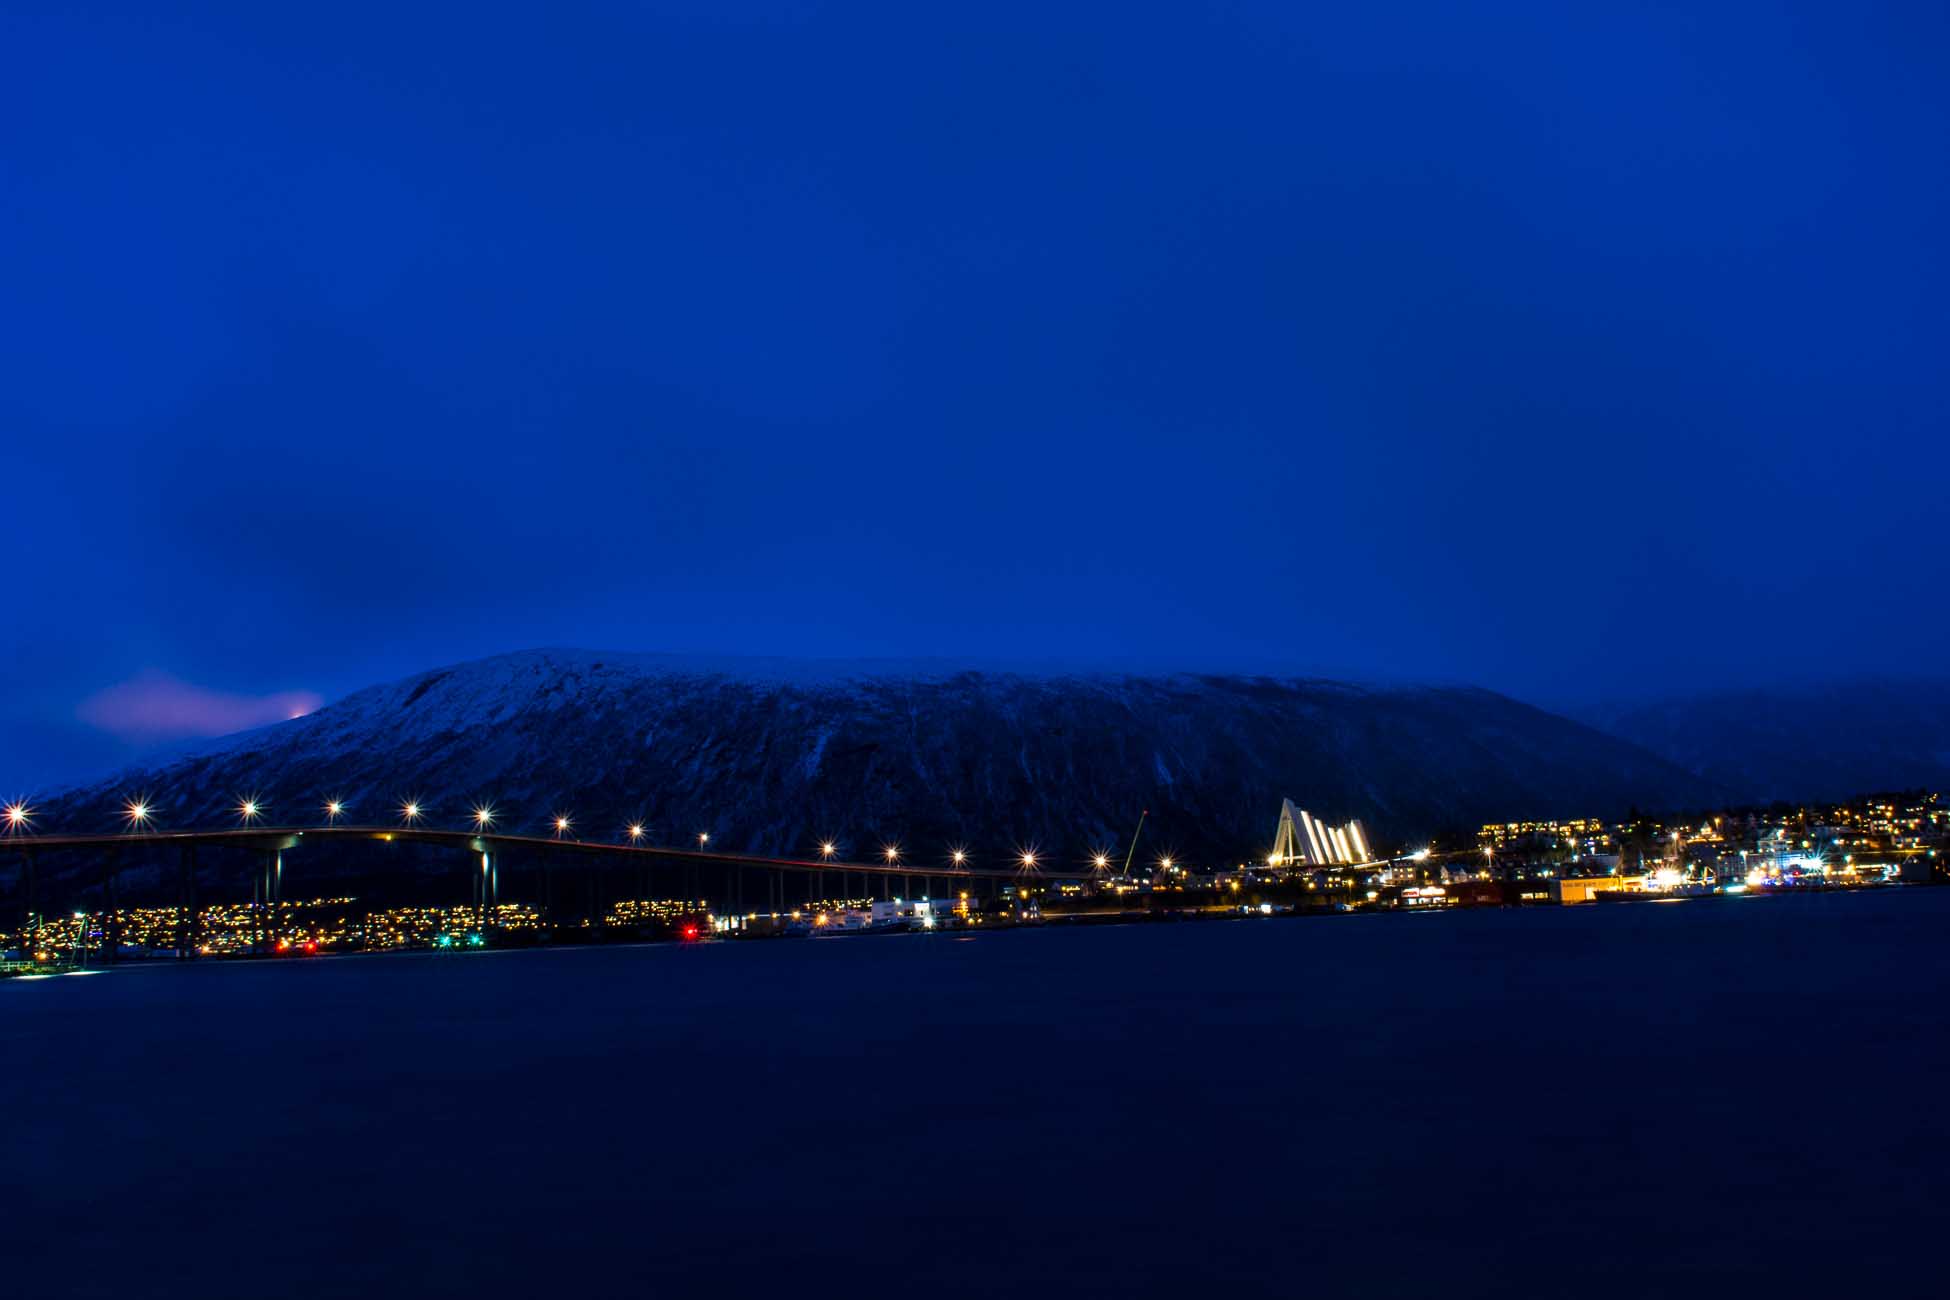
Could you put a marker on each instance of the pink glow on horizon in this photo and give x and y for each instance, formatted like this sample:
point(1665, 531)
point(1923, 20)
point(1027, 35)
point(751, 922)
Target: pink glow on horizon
point(155, 706)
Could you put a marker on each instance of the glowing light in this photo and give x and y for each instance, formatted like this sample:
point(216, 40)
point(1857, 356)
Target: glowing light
point(828, 849)
point(409, 811)
point(636, 831)
point(1165, 863)
point(892, 852)
point(334, 809)
point(484, 816)
point(19, 816)
point(136, 813)
point(1101, 861)
point(960, 857)
point(1028, 860)
point(1420, 855)
point(249, 810)
point(562, 825)
point(703, 838)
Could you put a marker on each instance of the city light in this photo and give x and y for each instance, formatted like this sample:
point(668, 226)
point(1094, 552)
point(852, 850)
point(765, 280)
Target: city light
point(1100, 861)
point(562, 825)
point(828, 849)
point(483, 816)
point(892, 853)
point(19, 817)
point(249, 810)
point(334, 809)
point(1165, 862)
point(636, 832)
point(959, 857)
point(136, 813)
point(1028, 860)
point(409, 811)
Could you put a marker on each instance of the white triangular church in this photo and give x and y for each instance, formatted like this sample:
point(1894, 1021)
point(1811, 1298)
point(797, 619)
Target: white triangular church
point(1304, 841)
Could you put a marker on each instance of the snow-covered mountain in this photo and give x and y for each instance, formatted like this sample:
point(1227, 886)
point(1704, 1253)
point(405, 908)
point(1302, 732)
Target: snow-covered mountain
point(774, 756)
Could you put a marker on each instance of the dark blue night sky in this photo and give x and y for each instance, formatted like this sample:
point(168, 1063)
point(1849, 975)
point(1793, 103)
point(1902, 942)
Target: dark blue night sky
point(1576, 350)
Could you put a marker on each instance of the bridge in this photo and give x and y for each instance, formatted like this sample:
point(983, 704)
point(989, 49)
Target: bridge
point(822, 878)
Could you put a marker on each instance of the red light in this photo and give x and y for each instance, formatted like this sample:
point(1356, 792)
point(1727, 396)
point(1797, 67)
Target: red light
point(311, 945)
point(284, 945)
point(690, 932)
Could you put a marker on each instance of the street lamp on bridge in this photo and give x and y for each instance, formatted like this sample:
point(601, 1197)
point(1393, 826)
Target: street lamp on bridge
point(636, 832)
point(484, 817)
point(137, 813)
point(562, 825)
point(18, 816)
point(249, 810)
point(334, 809)
point(409, 812)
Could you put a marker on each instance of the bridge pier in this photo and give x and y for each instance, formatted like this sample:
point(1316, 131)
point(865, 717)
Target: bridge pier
point(111, 924)
point(487, 890)
point(186, 917)
point(30, 920)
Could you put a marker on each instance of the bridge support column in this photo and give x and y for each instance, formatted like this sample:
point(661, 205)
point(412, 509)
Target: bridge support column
point(266, 938)
point(485, 890)
point(111, 923)
point(186, 917)
point(30, 920)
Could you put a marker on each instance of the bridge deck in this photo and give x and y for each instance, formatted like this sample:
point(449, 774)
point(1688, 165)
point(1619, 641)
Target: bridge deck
point(268, 838)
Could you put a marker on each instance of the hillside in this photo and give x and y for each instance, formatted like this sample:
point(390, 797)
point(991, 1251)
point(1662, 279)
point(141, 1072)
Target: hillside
point(1811, 742)
point(772, 756)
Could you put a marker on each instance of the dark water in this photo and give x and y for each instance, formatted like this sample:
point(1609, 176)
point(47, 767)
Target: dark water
point(1715, 1098)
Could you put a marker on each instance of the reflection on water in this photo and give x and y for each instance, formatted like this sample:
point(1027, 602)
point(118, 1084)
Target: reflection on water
point(1599, 1101)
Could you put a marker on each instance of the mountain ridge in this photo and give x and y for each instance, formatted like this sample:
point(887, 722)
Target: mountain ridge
point(775, 757)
